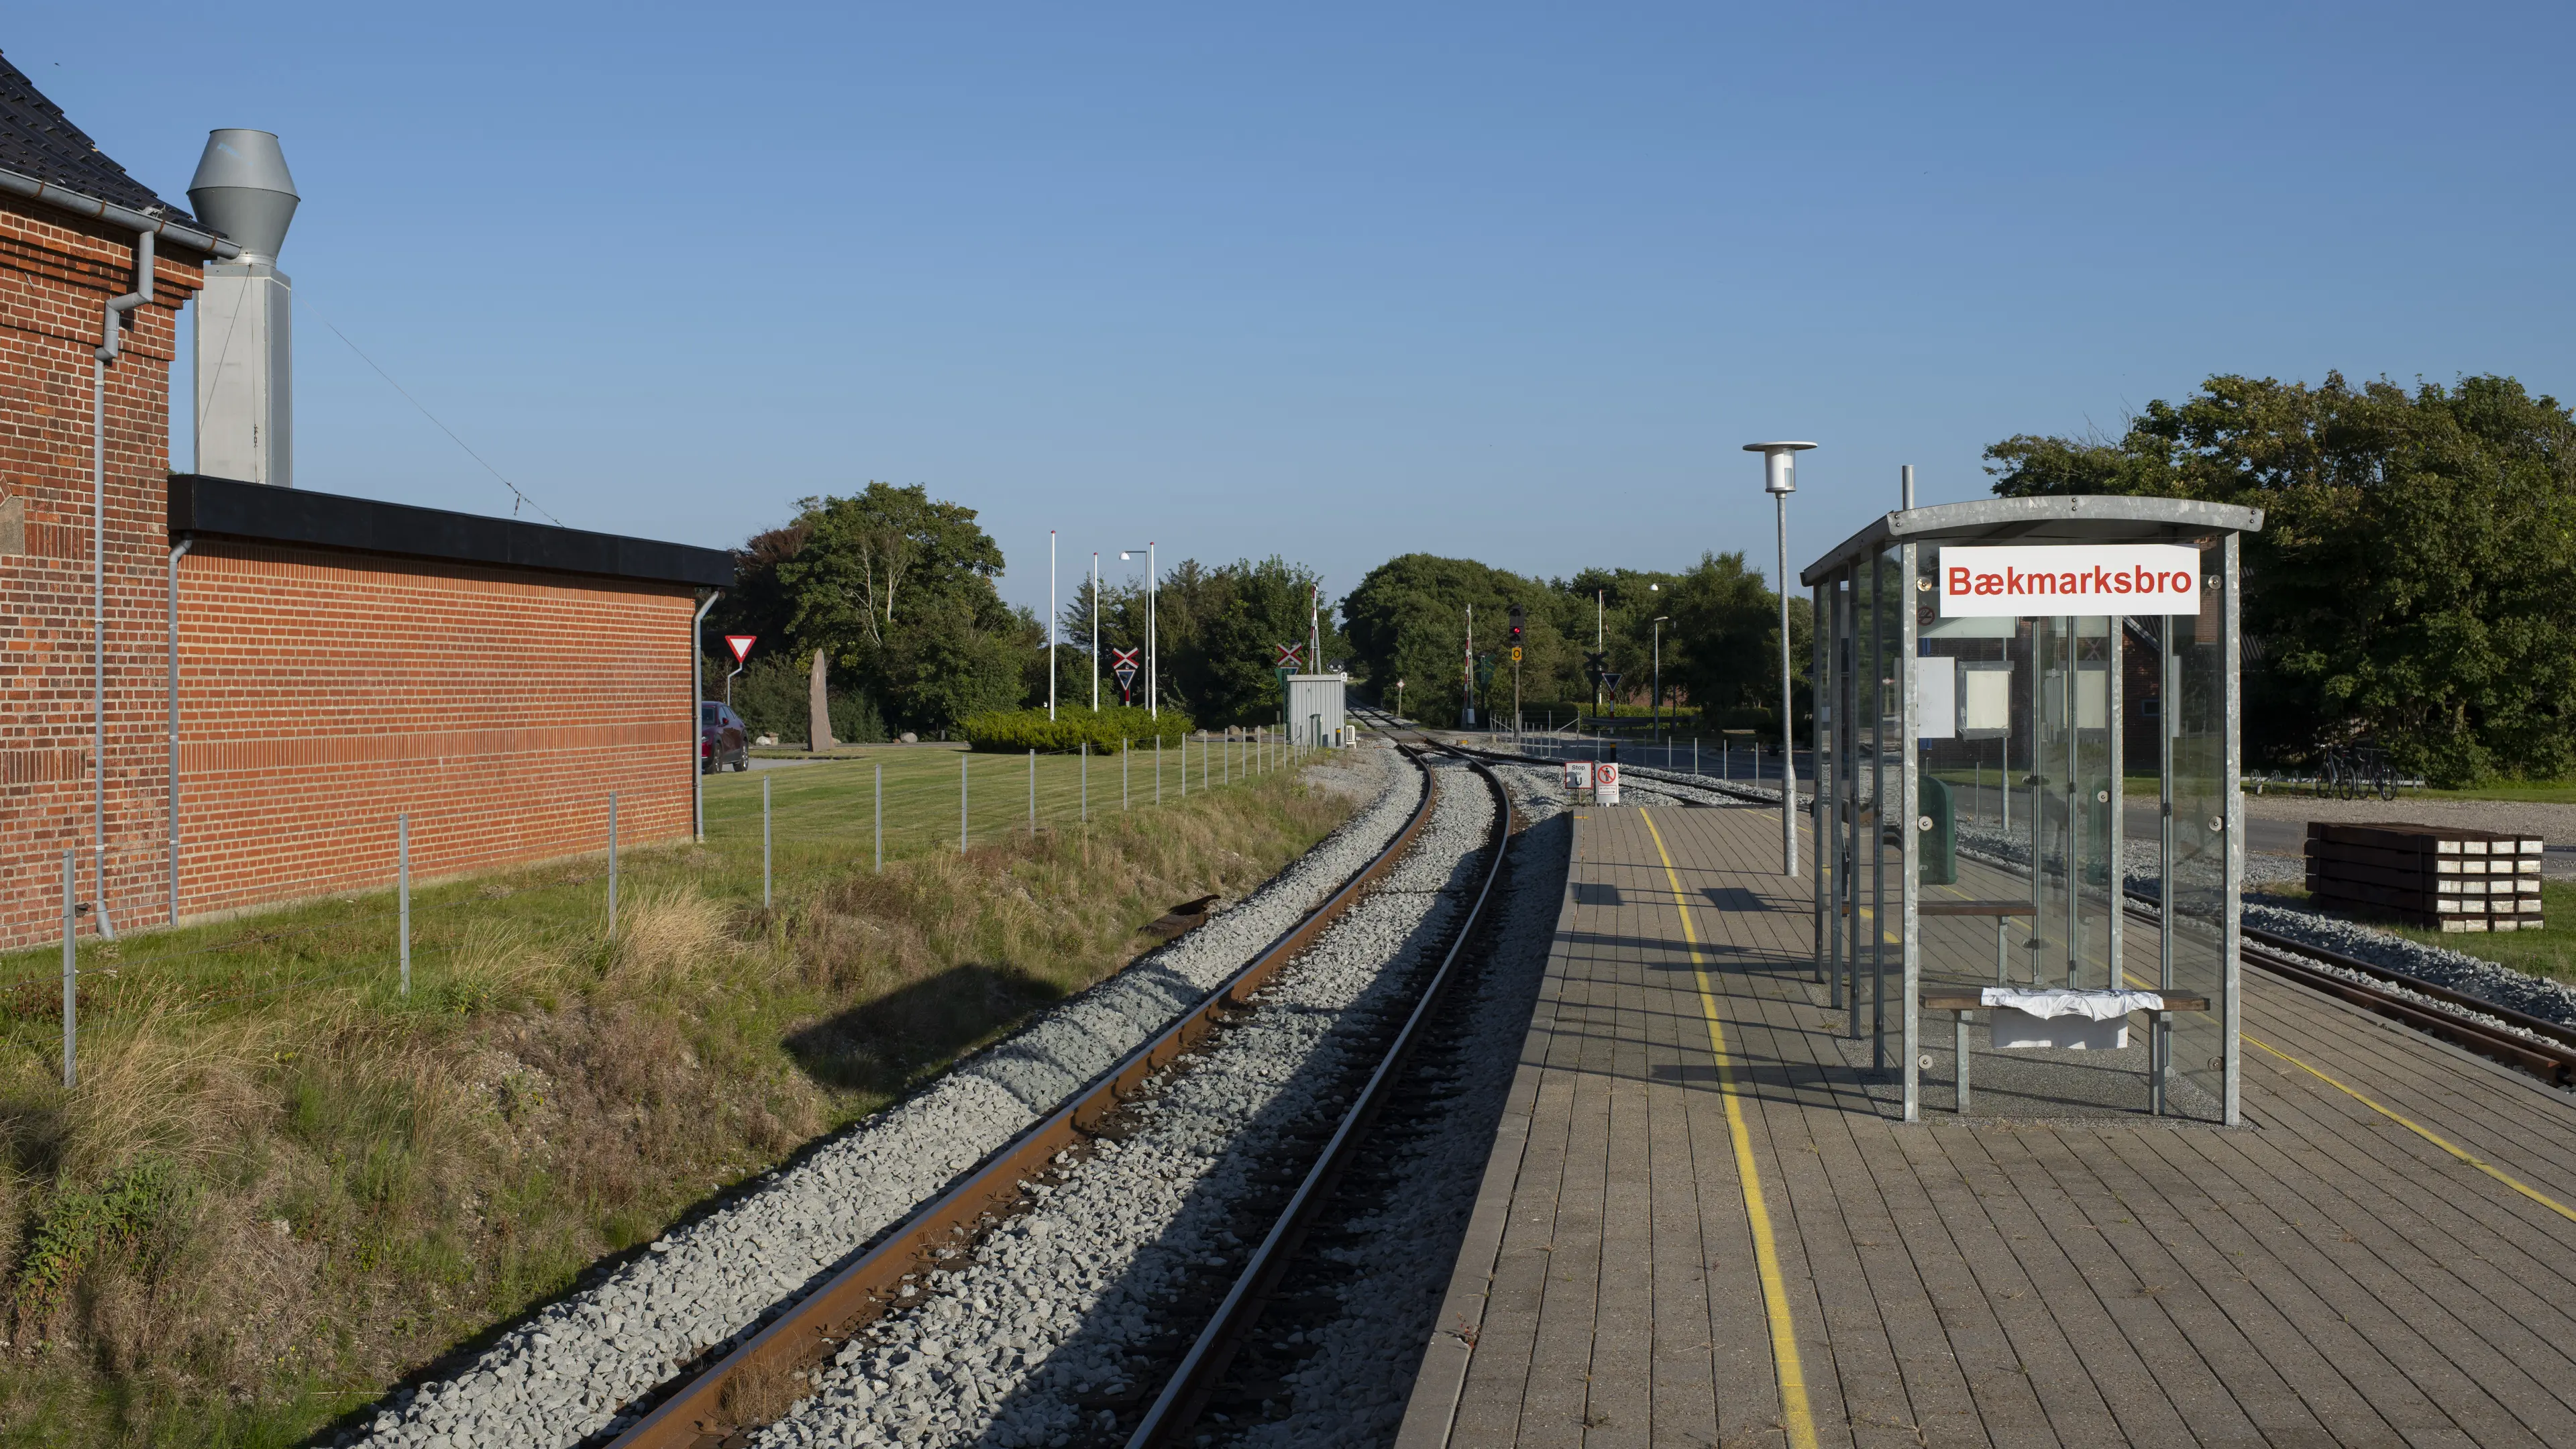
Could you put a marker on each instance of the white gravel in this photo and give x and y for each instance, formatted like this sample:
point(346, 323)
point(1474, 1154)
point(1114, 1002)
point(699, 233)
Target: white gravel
point(571, 1369)
point(1050, 1307)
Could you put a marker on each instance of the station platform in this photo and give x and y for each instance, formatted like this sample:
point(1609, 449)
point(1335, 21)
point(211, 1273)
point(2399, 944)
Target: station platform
point(1699, 1225)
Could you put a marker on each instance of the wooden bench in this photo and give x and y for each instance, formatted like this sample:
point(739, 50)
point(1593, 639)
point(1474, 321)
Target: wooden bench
point(1962, 1003)
point(2000, 910)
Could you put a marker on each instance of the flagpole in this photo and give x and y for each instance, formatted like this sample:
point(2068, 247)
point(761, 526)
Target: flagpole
point(1095, 631)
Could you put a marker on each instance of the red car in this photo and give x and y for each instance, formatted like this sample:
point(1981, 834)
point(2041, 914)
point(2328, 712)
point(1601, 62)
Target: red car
point(722, 740)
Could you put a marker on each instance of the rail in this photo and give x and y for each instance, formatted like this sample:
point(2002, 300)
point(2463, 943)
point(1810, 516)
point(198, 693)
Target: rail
point(699, 1410)
point(1185, 1395)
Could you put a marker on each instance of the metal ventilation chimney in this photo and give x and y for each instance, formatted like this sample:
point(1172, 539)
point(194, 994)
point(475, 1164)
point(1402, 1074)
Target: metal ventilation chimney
point(245, 354)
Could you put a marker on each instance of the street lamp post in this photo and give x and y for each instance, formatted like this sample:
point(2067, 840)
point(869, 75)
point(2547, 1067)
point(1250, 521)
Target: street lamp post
point(1780, 479)
point(1660, 621)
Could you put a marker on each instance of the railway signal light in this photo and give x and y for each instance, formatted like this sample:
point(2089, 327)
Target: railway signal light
point(1519, 616)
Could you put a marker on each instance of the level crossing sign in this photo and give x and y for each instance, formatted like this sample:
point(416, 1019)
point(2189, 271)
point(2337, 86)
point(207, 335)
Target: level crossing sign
point(740, 644)
point(1123, 665)
point(1290, 655)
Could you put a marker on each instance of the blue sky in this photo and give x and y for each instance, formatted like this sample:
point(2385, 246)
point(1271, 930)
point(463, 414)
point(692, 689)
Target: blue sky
point(1511, 283)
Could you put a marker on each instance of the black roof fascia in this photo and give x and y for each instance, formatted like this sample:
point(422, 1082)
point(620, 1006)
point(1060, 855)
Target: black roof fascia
point(229, 508)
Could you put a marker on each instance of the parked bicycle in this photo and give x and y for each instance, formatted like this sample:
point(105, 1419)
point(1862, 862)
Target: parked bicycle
point(2353, 772)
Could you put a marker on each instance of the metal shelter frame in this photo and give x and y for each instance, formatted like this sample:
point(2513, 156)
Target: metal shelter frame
point(1876, 625)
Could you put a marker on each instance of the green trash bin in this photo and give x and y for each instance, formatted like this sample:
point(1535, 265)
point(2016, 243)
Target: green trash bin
point(1939, 862)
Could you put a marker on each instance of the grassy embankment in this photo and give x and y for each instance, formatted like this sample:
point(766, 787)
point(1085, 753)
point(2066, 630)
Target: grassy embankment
point(280, 1186)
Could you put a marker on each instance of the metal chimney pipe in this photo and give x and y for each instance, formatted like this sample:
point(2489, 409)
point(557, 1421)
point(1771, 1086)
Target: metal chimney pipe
point(242, 189)
point(245, 314)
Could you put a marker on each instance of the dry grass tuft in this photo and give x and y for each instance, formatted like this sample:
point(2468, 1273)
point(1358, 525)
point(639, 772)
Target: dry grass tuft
point(667, 936)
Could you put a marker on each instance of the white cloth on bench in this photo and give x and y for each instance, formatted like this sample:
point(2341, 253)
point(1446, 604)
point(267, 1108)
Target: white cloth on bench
point(2047, 1002)
point(2062, 1019)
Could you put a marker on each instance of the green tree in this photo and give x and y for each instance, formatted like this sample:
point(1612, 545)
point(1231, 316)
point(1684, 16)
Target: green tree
point(897, 588)
point(2412, 576)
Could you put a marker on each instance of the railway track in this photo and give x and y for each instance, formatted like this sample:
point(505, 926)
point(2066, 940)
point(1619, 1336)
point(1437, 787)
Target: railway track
point(2546, 1049)
point(833, 1366)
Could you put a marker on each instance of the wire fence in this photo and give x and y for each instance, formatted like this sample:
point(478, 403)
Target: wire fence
point(1205, 761)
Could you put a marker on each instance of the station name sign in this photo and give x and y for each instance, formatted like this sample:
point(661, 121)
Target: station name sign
point(2100, 578)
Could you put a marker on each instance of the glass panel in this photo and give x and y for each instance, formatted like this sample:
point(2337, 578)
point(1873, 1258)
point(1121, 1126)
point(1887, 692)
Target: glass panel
point(2070, 730)
point(1881, 733)
point(2196, 730)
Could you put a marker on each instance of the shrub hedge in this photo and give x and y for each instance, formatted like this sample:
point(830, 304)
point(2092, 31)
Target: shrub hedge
point(1017, 731)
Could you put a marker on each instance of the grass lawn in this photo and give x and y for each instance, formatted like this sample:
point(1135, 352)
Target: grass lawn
point(281, 1185)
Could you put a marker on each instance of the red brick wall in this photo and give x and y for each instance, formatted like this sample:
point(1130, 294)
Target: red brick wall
point(55, 274)
point(320, 692)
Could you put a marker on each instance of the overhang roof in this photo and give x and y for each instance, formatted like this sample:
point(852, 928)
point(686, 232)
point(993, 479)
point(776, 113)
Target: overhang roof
point(2074, 518)
point(259, 513)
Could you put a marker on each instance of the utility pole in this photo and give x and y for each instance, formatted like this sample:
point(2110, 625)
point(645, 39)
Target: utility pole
point(1467, 674)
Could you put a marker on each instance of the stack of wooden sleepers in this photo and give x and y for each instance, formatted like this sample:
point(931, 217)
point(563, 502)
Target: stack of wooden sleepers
point(2441, 876)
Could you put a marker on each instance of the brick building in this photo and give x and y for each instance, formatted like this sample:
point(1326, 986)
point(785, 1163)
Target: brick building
point(312, 663)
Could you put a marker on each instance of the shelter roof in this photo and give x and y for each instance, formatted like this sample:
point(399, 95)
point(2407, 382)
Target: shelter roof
point(2074, 518)
point(37, 140)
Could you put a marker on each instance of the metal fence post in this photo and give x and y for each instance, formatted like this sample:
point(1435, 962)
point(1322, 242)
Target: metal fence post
point(1158, 767)
point(961, 800)
point(1086, 782)
point(1126, 759)
point(612, 865)
point(764, 840)
point(402, 893)
point(880, 815)
point(1185, 765)
point(71, 932)
point(1033, 794)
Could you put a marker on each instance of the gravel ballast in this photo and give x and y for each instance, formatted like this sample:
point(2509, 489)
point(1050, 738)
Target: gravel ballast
point(572, 1368)
point(1392, 1260)
point(1049, 1309)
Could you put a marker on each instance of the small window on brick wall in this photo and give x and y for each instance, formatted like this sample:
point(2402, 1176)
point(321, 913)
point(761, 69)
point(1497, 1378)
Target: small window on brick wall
point(13, 524)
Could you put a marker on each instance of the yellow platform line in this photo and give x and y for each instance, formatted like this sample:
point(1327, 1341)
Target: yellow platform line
point(2401, 1119)
point(2462, 1153)
point(1795, 1414)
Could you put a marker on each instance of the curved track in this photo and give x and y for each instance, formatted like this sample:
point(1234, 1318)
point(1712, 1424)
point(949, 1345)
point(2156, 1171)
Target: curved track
point(778, 1386)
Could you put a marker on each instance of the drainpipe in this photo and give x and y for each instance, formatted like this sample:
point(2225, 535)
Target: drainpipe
point(177, 553)
point(697, 708)
point(111, 327)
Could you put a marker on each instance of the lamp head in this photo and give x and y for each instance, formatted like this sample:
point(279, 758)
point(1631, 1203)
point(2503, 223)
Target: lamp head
point(1779, 465)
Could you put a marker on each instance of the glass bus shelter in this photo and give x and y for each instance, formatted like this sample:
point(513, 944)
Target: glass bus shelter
point(2049, 686)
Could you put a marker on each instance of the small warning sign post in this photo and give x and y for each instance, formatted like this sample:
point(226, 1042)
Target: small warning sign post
point(1123, 667)
point(740, 644)
point(1605, 783)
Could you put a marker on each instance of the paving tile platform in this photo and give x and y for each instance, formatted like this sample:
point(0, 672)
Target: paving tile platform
point(1698, 1227)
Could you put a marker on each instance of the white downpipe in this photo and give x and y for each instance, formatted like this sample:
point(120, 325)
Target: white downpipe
point(697, 710)
point(177, 553)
